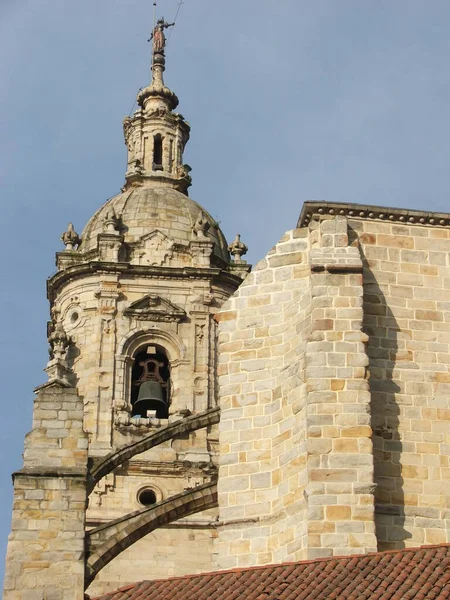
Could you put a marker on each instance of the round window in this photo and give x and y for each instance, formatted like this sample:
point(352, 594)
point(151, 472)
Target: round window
point(147, 497)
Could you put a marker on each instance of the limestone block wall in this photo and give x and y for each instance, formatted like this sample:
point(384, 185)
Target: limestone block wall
point(340, 517)
point(262, 475)
point(407, 319)
point(45, 556)
point(334, 374)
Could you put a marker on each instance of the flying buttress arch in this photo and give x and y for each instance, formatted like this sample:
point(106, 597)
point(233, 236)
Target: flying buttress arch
point(107, 541)
point(105, 465)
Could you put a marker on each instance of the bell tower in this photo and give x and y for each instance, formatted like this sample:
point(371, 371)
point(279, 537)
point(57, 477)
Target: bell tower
point(127, 422)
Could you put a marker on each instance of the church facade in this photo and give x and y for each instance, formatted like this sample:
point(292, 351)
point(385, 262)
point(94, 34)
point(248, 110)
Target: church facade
point(201, 417)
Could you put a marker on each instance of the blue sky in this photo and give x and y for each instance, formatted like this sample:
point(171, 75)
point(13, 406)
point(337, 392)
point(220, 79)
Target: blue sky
point(289, 100)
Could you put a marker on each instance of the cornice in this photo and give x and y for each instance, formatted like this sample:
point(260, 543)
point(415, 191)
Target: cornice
point(56, 281)
point(318, 209)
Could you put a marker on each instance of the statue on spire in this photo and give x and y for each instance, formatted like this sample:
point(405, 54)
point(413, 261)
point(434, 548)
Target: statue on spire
point(158, 37)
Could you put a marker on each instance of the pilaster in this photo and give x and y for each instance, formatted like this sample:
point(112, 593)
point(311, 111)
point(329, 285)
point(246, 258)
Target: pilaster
point(109, 245)
point(201, 251)
point(107, 295)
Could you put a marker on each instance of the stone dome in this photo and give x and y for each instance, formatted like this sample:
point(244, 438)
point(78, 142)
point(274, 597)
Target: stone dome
point(144, 209)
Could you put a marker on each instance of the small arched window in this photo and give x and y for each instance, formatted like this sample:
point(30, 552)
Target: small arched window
point(150, 383)
point(157, 153)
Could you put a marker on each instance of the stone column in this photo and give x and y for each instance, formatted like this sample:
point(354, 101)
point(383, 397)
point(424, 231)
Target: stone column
point(339, 447)
point(45, 556)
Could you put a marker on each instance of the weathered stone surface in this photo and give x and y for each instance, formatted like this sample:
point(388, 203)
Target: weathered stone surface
point(360, 369)
point(45, 556)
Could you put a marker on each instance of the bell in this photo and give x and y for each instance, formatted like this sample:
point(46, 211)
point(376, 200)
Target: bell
point(151, 397)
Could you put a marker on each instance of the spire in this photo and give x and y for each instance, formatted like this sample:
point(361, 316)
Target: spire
point(157, 89)
point(154, 134)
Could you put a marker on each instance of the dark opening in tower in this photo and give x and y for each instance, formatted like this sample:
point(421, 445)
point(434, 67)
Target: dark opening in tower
point(150, 383)
point(157, 153)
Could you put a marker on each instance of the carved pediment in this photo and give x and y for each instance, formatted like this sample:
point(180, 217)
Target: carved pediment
point(155, 308)
point(154, 248)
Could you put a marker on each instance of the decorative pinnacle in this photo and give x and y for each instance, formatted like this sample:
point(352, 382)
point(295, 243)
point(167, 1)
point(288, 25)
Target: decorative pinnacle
point(157, 88)
point(201, 225)
point(237, 249)
point(70, 237)
point(110, 221)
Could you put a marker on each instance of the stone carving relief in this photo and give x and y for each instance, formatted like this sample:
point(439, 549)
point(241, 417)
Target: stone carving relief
point(107, 300)
point(58, 339)
point(73, 315)
point(155, 308)
point(200, 330)
point(59, 344)
point(126, 127)
point(183, 172)
point(161, 111)
point(103, 487)
point(154, 249)
point(200, 301)
point(208, 473)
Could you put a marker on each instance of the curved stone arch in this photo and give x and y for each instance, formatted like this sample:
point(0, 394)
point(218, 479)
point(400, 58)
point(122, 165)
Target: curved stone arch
point(136, 338)
point(107, 541)
point(173, 346)
point(108, 463)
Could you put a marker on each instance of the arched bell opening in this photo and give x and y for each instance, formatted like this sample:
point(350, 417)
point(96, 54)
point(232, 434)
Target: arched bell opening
point(150, 380)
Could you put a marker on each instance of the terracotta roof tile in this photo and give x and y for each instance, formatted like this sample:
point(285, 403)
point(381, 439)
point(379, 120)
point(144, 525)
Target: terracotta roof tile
point(410, 574)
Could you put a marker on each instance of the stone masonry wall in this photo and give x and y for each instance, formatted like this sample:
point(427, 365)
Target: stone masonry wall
point(356, 388)
point(407, 319)
point(262, 474)
point(340, 518)
point(45, 556)
point(293, 385)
